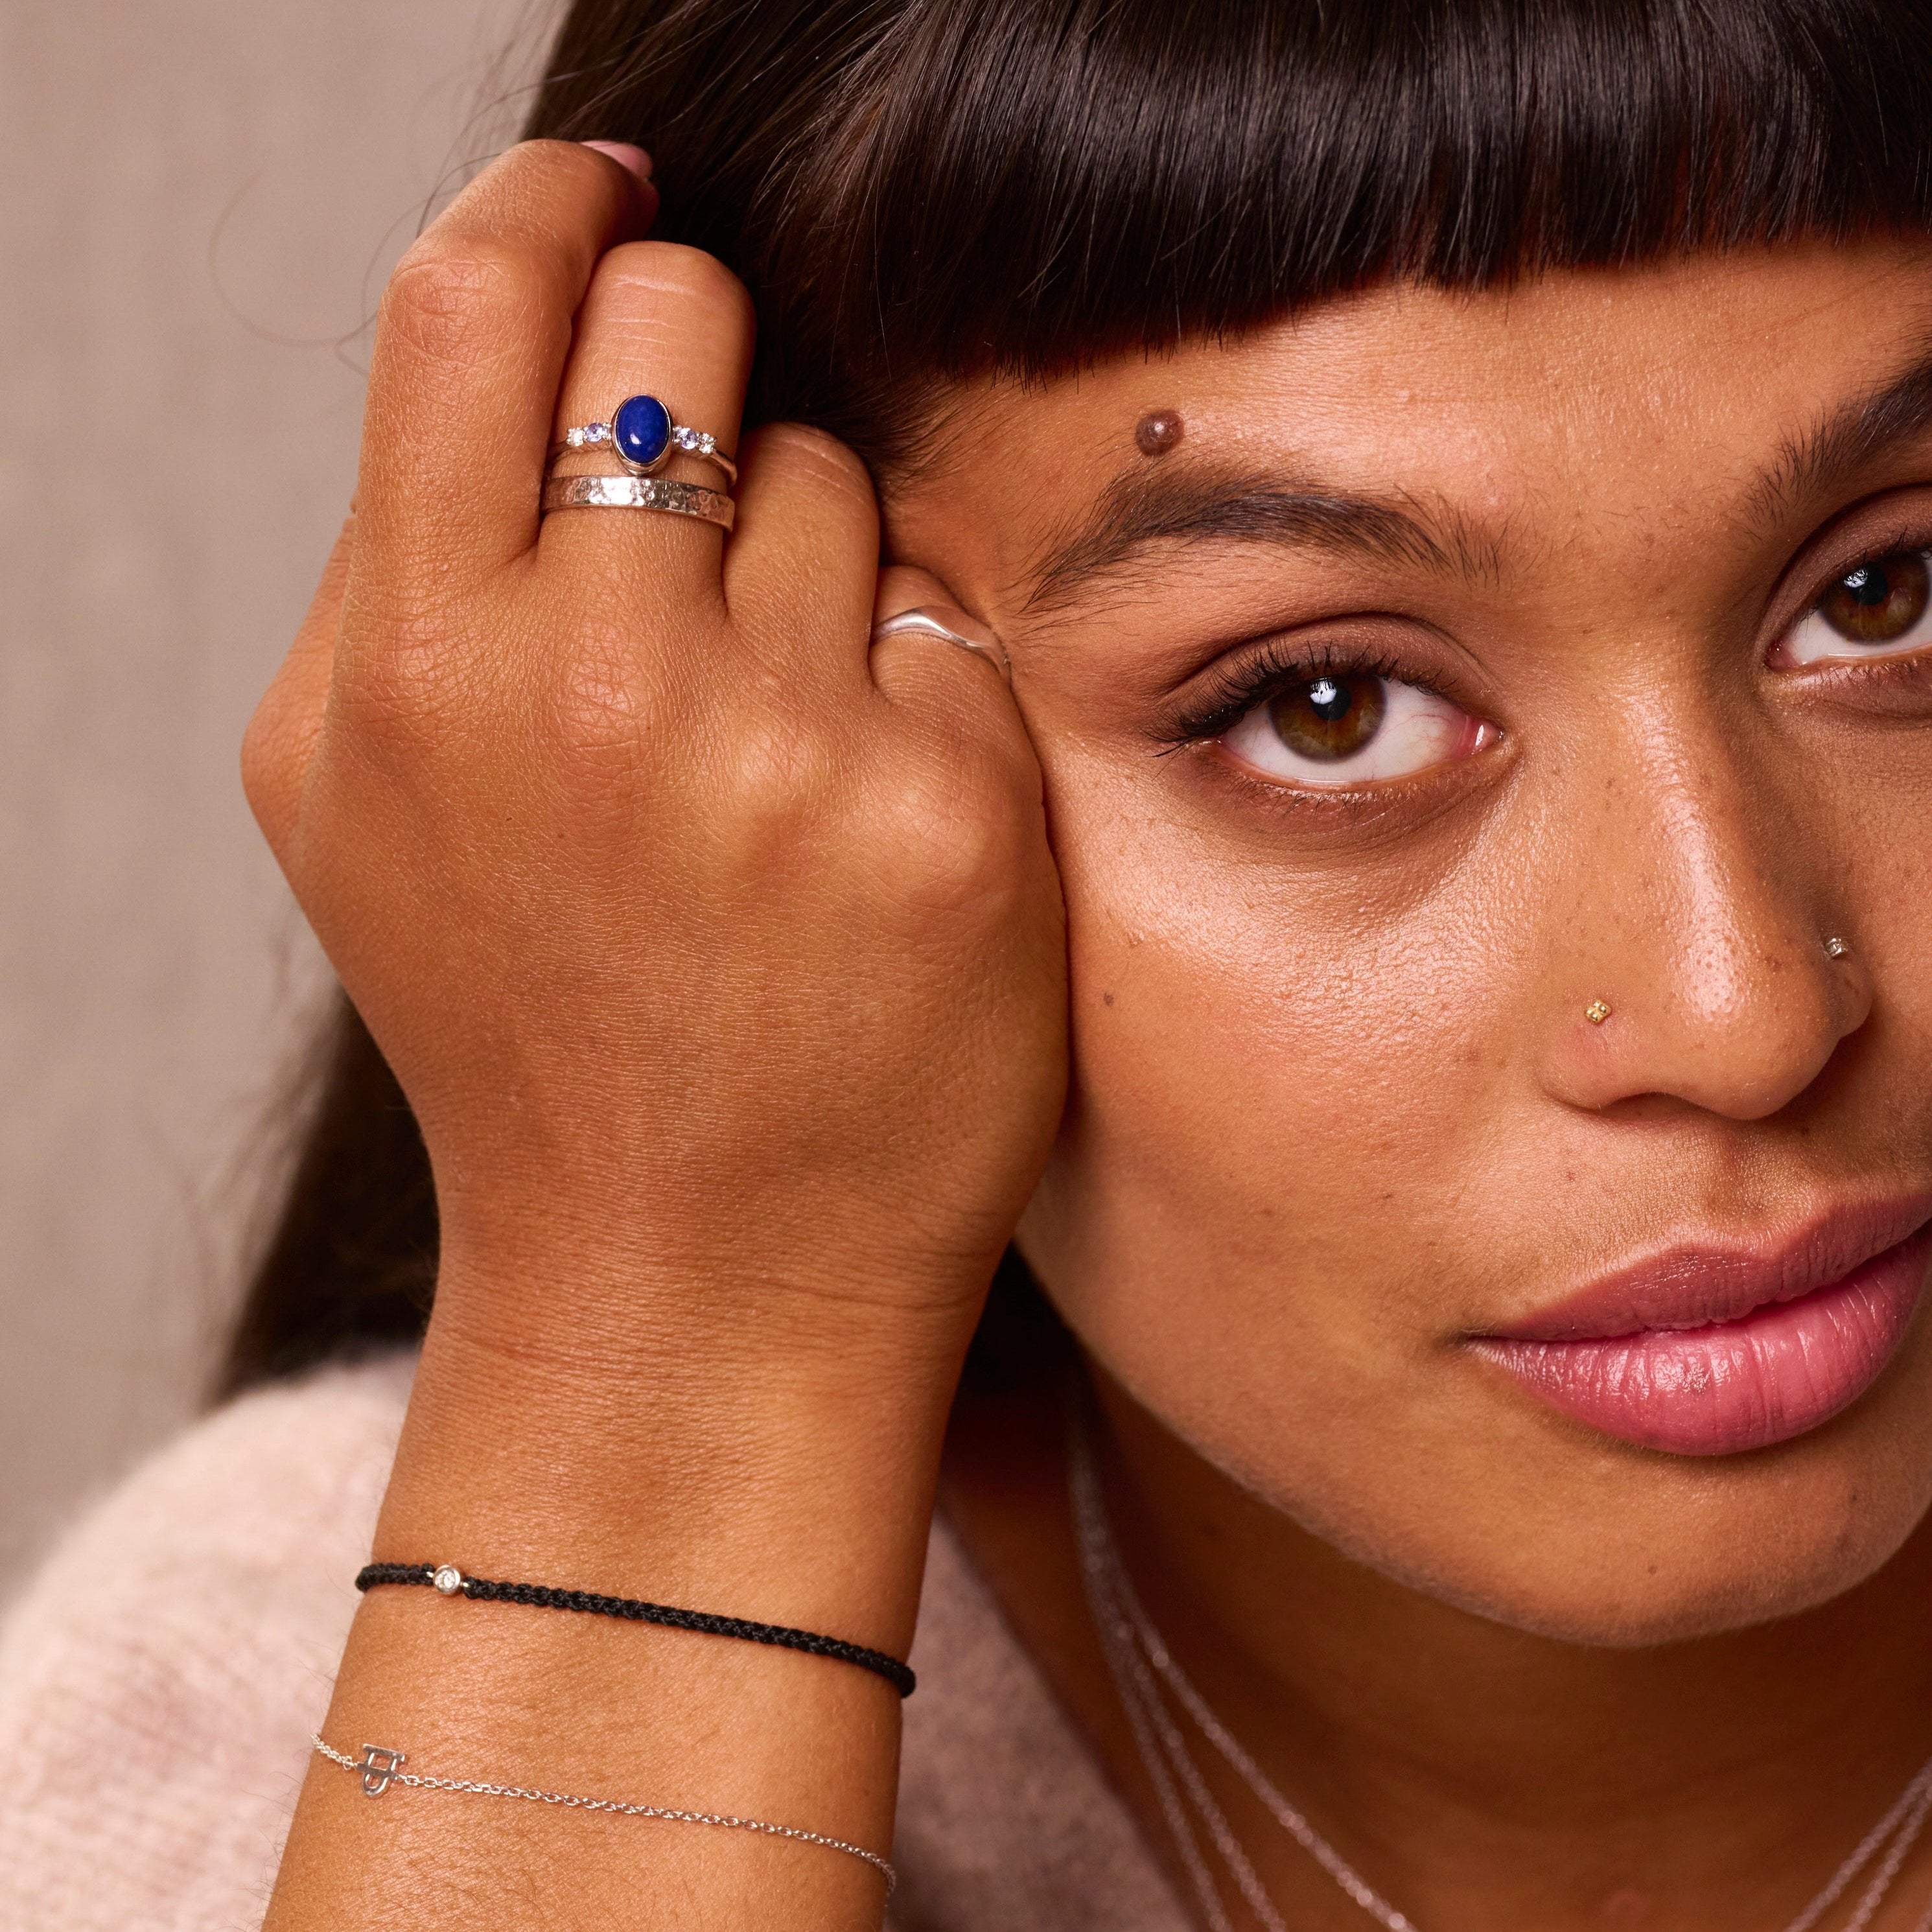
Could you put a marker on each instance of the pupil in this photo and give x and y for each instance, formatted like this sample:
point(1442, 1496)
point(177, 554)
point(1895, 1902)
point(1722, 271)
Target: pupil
point(1331, 717)
point(1881, 602)
point(1328, 701)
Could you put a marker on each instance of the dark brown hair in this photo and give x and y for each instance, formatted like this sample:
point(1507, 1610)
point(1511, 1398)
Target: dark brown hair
point(916, 190)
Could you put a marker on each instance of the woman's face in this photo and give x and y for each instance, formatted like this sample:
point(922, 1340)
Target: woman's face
point(1466, 662)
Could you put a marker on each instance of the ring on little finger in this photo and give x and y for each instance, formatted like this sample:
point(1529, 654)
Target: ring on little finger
point(642, 437)
point(955, 627)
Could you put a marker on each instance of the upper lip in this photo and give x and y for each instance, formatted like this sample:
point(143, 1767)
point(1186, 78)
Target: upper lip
point(1694, 1283)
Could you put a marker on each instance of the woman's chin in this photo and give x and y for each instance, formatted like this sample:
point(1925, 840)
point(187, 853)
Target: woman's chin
point(1642, 1550)
point(1444, 1471)
point(1491, 1503)
point(1643, 1604)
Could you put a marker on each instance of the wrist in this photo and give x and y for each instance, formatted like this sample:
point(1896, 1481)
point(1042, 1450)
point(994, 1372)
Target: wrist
point(736, 1466)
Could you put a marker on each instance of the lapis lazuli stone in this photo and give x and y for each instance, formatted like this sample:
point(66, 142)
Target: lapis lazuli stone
point(641, 431)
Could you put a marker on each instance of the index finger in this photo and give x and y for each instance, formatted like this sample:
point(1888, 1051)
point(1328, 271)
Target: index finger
point(470, 344)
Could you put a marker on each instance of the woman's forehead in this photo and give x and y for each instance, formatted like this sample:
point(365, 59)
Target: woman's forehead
point(1436, 424)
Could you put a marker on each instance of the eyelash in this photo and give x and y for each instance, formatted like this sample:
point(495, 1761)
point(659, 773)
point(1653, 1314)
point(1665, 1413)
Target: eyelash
point(1905, 531)
point(1233, 693)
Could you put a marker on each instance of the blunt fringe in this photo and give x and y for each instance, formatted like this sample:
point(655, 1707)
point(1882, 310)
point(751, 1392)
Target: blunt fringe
point(917, 191)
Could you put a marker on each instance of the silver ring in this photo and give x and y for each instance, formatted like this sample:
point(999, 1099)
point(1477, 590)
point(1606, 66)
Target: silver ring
point(639, 492)
point(955, 627)
point(642, 436)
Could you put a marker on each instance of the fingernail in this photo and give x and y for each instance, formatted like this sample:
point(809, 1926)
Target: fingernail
point(625, 155)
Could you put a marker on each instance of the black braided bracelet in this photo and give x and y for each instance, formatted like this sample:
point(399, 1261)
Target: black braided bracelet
point(447, 1579)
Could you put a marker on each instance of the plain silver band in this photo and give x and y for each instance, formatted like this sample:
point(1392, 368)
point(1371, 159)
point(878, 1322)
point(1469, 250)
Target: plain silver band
point(922, 622)
point(639, 492)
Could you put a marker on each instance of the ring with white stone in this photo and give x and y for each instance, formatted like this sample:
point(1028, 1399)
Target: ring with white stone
point(642, 436)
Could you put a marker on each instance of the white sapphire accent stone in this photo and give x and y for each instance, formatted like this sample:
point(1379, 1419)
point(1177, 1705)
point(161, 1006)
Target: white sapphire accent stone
point(641, 434)
point(448, 1579)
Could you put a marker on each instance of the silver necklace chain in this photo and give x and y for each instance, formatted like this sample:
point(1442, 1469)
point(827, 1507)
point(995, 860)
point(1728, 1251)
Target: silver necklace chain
point(1145, 1677)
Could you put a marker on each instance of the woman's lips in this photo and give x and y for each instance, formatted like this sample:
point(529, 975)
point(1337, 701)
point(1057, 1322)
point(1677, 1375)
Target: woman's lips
point(1705, 1353)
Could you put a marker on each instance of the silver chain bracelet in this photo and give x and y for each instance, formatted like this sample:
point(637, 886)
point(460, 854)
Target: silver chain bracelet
point(380, 1767)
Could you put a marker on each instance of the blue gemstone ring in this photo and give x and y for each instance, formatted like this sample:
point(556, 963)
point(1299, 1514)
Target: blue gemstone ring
point(642, 436)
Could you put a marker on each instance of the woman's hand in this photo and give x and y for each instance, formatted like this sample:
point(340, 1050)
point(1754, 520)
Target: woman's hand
point(719, 956)
point(719, 952)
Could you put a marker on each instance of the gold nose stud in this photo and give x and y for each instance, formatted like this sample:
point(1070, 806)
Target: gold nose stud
point(1596, 1012)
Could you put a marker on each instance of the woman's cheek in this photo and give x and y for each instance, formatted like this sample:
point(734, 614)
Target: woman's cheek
point(1270, 1077)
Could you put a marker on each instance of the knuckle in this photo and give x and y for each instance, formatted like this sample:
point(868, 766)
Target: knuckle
point(405, 689)
point(812, 456)
point(267, 756)
point(599, 713)
point(689, 275)
point(959, 843)
point(779, 769)
point(448, 295)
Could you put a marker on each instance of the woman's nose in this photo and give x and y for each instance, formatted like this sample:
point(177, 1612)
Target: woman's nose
point(1703, 959)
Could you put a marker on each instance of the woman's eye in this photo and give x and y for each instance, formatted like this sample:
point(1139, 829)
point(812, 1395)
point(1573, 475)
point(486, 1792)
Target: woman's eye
point(1343, 728)
point(1882, 609)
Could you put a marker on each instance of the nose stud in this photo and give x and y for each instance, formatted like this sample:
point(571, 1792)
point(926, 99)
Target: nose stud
point(1598, 1011)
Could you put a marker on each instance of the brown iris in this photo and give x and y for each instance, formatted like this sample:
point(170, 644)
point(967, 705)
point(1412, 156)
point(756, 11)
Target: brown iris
point(1880, 601)
point(1330, 717)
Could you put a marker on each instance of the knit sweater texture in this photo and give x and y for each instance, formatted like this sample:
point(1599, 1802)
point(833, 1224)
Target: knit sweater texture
point(160, 1675)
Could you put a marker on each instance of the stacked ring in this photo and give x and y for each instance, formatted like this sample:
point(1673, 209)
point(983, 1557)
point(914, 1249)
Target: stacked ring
point(641, 435)
point(639, 492)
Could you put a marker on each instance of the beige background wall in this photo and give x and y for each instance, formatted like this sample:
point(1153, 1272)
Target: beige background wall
point(197, 200)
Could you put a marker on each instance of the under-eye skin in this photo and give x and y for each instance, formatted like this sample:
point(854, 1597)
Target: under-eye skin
point(1336, 725)
point(1880, 608)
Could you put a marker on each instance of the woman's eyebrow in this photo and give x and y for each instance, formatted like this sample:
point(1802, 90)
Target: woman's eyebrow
point(1822, 459)
point(1185, 502)
point(1180, 502)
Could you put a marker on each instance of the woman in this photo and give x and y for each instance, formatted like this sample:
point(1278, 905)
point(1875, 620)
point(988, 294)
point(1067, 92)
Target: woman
point(1373, 823)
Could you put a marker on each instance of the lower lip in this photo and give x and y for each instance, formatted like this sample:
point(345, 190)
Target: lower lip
point(1779, 1371)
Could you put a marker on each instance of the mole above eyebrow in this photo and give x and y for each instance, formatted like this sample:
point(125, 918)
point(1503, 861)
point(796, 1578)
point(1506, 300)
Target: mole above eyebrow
point(1159, 431)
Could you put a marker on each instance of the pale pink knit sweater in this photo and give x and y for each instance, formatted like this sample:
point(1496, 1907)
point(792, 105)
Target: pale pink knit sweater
point(159, 1678)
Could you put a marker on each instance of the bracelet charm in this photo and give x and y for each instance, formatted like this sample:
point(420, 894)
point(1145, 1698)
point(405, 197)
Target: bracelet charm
point(378, 1768)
